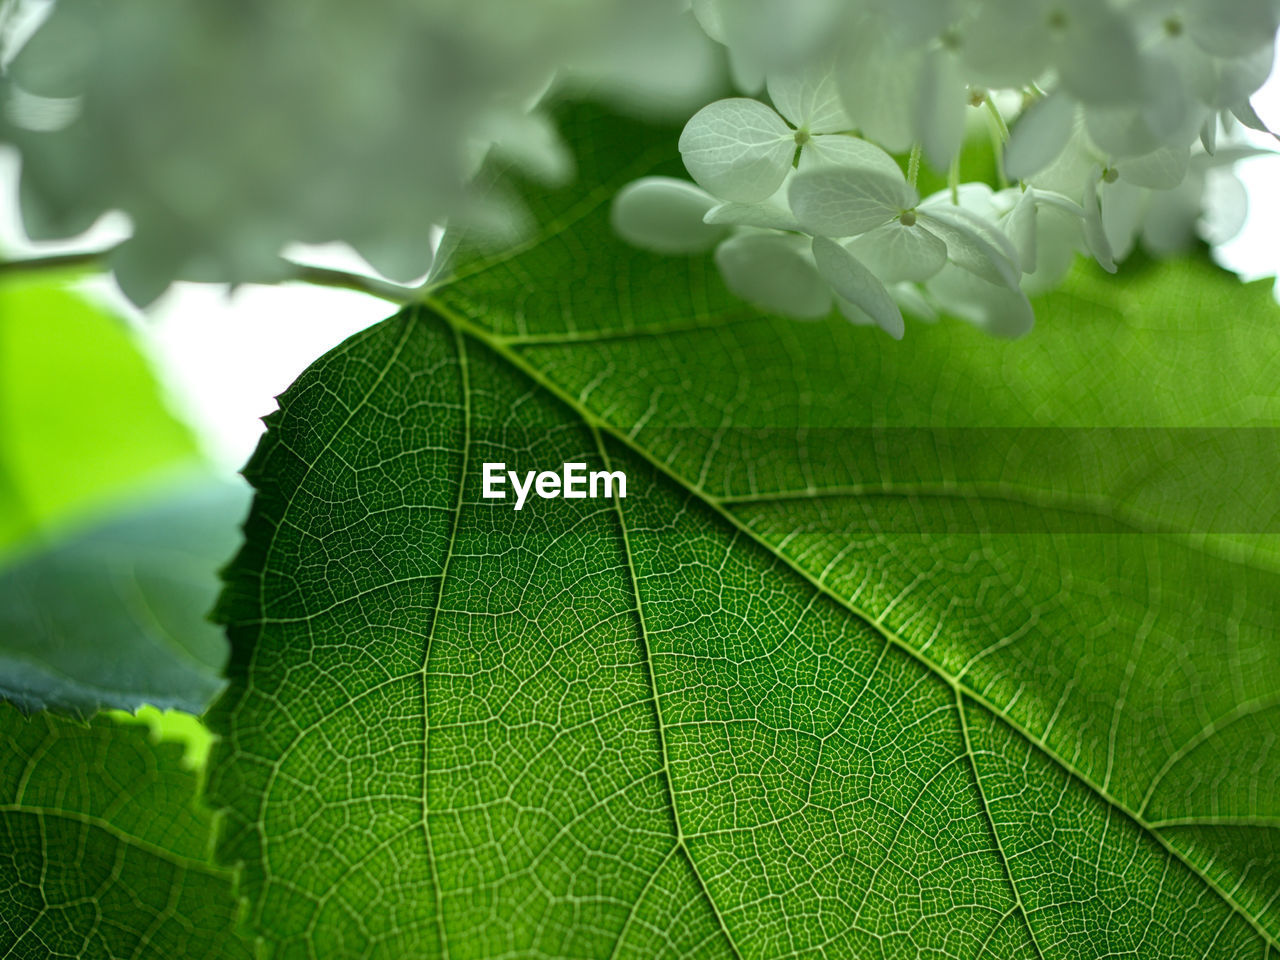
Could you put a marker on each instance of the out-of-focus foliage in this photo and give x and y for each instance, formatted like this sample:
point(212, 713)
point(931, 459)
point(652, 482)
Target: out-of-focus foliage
point(111, 530)
point(228, 130)
point(83, 421)
point(117, 615)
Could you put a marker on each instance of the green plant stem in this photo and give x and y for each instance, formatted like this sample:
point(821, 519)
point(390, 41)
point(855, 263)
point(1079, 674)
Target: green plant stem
point(318, 276)
point(913, 165)
point(344, 280)
point(57, 261)
point(1000, 124)
point(999, 137)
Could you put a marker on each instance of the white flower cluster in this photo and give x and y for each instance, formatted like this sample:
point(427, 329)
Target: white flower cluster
point(228, 131)
point(1117, 106)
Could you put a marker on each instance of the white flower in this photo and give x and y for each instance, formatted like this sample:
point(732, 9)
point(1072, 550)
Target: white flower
point(738, 149)
point(1040, 136)
point(762, 35)
point(849, 200)
point(854, 283)
point(741, 150)
point(1220, 29)
point(999, 310)
point(772, 213)
point(775, 272)
point(1045, 228)
point(665, 215)
point(1088, 44)
point(1168, 220)
point(1118, 96)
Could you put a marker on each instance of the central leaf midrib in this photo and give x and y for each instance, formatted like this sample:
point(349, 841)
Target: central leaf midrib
point(681, 843)
point(503, 351)
point(464, 389)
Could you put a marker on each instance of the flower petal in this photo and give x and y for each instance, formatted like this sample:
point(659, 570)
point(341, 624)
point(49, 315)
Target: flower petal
point(973, 245)
point(1170, 224)
point(532, 142)
point(1243, 111)
point(1122, 210)
point(738, 149)
point(1231, 29)
point(855, 283)
point(835, 150)
point(1119, 131)
point(746, 69)
point(896, 253)
point(911, 300)
point(771, 214)
point(809, 97)
point(1020, 228)
point(1003, 42)
point(880, 86)
point(1098, 59)
point(665, 215)
point(710, 18)
point(1161, 169)
point(941, 109)
point(846, 201)
point(774, 272)
point(1209, 134)
point(1039, 136)
point(854, 313)
point(1226, 203)
point(1095, 234)
point(1001, 311)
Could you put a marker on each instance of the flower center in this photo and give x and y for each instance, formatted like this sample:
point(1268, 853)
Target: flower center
point(1173, 27)
point(1058, 19)
point(802, 137)
point(907, 218)
point(1110, 175)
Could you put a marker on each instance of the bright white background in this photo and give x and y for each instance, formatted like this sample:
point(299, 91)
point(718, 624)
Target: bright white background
point(225, 355)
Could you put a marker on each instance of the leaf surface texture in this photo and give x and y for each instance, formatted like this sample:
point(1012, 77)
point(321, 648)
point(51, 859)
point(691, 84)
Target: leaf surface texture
point(892, 650)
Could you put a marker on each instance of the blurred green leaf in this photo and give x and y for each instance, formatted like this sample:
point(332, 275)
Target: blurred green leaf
point(104, 850)
point(111, 530)
point(83, 422)
point(117, 615)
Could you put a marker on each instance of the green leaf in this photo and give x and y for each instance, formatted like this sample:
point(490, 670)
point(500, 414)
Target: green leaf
point(103, 852)
point(891, 650)
point(111, 532)
point(83, 421)
point(116, 615)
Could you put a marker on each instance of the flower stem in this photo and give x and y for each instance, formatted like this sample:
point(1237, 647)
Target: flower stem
point(996, 116)
point(57, 261)
point(319, 276)
point(999, 137)
point(913, 165)
point(953, 179)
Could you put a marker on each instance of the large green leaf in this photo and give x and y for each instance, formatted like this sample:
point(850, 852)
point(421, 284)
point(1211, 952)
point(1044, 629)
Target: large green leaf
point(927, 649)
point(104, 853)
